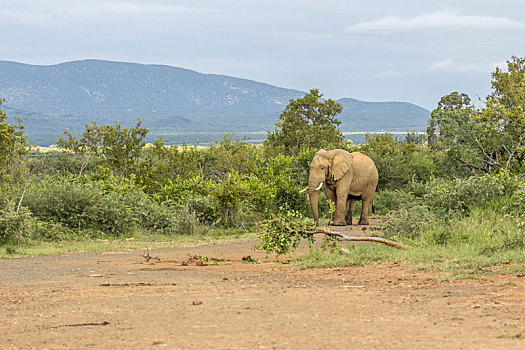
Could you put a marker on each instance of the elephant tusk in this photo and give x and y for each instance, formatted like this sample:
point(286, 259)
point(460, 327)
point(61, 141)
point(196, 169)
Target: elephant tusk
point(319, 187)
point(303, 190)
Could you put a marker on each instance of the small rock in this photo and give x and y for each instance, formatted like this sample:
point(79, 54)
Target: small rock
point(197, 302)
point(454, 293)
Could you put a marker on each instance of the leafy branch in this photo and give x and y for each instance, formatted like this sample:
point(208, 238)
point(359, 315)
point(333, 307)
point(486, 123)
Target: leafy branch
point(284, 233)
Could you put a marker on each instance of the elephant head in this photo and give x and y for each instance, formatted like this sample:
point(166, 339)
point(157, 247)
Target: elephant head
point(326, 167)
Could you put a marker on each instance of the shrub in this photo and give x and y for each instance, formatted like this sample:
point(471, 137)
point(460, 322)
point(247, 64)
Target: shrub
point(204, 209)
point(460, 196)
point(398, 162)
point(185, 221)
point(15, 224)
point(97, 206)
point(410, 222)
point(387, 201)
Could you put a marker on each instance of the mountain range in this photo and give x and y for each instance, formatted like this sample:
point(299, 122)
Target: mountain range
point(177, 104)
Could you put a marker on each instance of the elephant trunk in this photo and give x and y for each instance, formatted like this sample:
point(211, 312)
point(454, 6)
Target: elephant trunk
point(314, 188)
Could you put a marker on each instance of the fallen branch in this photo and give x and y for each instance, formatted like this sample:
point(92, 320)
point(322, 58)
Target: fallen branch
point(344, 237)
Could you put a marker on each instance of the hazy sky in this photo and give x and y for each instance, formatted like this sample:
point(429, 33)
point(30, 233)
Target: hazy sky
point(407, 50)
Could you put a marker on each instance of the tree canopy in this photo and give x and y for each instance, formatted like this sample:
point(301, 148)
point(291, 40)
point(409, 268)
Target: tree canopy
point(307, 122)
point(12, 146)
point(491, 138)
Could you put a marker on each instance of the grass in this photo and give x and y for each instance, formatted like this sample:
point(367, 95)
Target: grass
point(518, 335)
point(461, 262)
point(138, 242)
point(484, 242)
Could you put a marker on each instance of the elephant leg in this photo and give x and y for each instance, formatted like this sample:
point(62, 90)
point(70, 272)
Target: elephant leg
point(350, 208)
point(330, 195)
point(363, 220)
point(340, 207)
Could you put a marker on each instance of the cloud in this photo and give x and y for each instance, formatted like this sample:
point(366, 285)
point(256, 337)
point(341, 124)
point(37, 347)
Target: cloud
point(435, 21)
point(390, 74)
point(36, 13)
point(23, 17)
point(449, 66)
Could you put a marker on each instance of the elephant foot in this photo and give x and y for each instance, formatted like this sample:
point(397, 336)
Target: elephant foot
point(363, 222)
point(338, 223)
point(348, 221)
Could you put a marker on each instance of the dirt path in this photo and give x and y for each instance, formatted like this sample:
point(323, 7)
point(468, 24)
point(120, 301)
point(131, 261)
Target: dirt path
point(116, 300)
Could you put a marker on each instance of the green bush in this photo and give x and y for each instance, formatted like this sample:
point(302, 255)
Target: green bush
point(459, 196)
point(387, 201)
point(398, 162)
point(411, 222)
point(96, 206)
point(15, 225)
point(204, 208)
point(185, 221)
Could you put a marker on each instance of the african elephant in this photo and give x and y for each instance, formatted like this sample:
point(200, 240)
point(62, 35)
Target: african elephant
point(348, 177)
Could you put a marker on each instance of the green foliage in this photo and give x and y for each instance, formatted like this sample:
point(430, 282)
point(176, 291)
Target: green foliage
point(204, 208)
point(283, 233)
point(92, 207)
point(15, 224)
point(387, 200)
point(410, 222)
point(492, 138)
point(12, 149)
point(307, 122)
point(120, 147)
point(503, 118)
point(230, 154)
point(59, 163)
point(185, 221)
point(434, 212)
point(399, 162)
point(460, 196)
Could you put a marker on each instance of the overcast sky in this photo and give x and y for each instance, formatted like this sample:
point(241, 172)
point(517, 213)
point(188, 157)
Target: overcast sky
point(407, 50)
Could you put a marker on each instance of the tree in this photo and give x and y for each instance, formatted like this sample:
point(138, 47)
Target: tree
point(120, 147)
point(454, 132)
point(307, 122)
point(451, 121)
point(492, 138)
point(503, 119)
point(13, 148)
point(88, 146)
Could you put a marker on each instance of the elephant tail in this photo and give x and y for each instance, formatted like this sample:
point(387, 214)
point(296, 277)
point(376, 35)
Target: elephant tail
point(373, 207)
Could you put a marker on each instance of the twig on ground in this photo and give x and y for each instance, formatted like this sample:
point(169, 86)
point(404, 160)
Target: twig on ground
point(148, 257)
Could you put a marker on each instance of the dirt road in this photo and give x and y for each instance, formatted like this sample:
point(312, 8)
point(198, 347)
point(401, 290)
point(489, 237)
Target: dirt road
point(117, 300)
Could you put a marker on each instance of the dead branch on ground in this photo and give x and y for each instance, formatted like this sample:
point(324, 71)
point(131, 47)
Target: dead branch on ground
point(344, 237)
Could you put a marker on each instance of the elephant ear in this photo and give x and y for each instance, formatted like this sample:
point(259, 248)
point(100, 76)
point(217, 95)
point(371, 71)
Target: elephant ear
point(341, 164)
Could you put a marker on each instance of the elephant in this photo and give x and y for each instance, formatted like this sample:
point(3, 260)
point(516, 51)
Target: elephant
point(348, 177)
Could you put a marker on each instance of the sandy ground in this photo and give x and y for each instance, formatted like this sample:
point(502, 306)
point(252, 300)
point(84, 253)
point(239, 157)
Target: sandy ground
point(117, 300)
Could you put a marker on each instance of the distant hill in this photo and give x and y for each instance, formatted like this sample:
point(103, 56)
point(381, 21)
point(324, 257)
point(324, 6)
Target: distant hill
point(175, 103)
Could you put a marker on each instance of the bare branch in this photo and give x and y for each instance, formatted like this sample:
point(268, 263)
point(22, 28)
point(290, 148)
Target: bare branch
point(344, 237)
point(470, 165)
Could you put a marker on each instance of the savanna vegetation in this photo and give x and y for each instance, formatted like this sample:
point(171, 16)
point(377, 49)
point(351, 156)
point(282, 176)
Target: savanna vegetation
point(457, 194)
